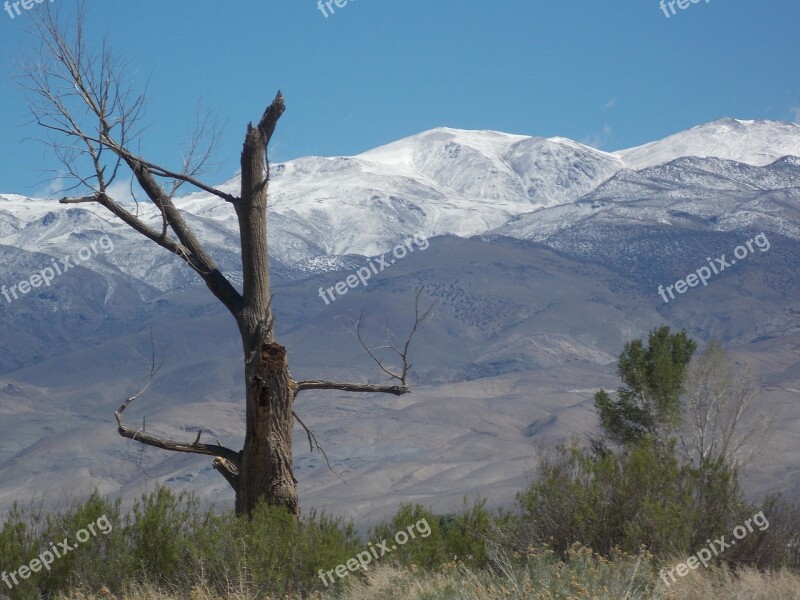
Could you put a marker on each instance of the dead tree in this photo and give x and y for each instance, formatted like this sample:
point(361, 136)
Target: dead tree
point(720, 419)
point(78, 95)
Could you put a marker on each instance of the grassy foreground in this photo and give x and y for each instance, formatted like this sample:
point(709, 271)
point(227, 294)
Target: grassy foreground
point(168, 548)
point(535, 577)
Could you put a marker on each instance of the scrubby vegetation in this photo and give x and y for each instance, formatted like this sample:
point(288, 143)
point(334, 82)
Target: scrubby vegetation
point(609, 518)
point(168, 547)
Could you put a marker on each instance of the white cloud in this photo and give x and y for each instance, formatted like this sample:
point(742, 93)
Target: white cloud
point(120, 190)
point(54, 188)
point(598, 139)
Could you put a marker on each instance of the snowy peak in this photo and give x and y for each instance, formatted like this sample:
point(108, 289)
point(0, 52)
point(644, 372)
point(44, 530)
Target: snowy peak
point(535, 172)
point(408, 151)
point(556, 171)
point(444, 182)
point(756, 143)
point(467, 164)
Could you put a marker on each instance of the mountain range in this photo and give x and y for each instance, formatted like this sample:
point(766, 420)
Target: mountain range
point(543, 256)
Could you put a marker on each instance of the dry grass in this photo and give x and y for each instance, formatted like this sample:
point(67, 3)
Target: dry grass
point(392, 584)
point(748, 584)
point(585, 577)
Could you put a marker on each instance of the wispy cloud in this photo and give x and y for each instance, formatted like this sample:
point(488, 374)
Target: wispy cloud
point(610, 104)
point(599, 138)
point(53, 189)
point(119, 190)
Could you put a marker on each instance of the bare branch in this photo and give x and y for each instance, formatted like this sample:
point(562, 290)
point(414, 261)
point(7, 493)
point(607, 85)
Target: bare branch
point(228, 470)
point(370, 352)
point(397, 390)
point(171, 445)
point(419, 318)
point(162, 172)
point(134, 222)
point(140, 436)
point(312, 442)
point(719, 419)
point(81, 200)
point(75, 92)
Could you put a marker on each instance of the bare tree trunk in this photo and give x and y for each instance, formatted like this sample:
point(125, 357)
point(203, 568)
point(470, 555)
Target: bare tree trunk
point(266, 464)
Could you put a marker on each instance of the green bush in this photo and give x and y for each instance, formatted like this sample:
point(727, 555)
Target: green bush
point(428, 551)
point(465, 534)
point(19, 543)
point(642, 495)
point(608, 502)
point(271, 551)
point(100, 560)
point(158, 532)
point(168, 541)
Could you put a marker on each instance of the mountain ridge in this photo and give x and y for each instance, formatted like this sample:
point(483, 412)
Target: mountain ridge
point(448, 182)
point(544, 259)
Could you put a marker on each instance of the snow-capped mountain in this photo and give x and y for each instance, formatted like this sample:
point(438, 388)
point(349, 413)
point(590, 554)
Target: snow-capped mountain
point(440, 182)
point(708, 194)
point(751, 142)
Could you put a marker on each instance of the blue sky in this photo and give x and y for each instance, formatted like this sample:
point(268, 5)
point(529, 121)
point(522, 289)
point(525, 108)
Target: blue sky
point(611, 74)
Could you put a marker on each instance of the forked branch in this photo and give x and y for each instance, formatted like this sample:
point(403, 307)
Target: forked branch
point(76, 93)
point(314, 443)
point(400, 376)
point(196, 447)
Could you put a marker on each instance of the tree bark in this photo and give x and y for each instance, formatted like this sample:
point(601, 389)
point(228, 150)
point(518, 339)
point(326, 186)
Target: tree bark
point(266, 463)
